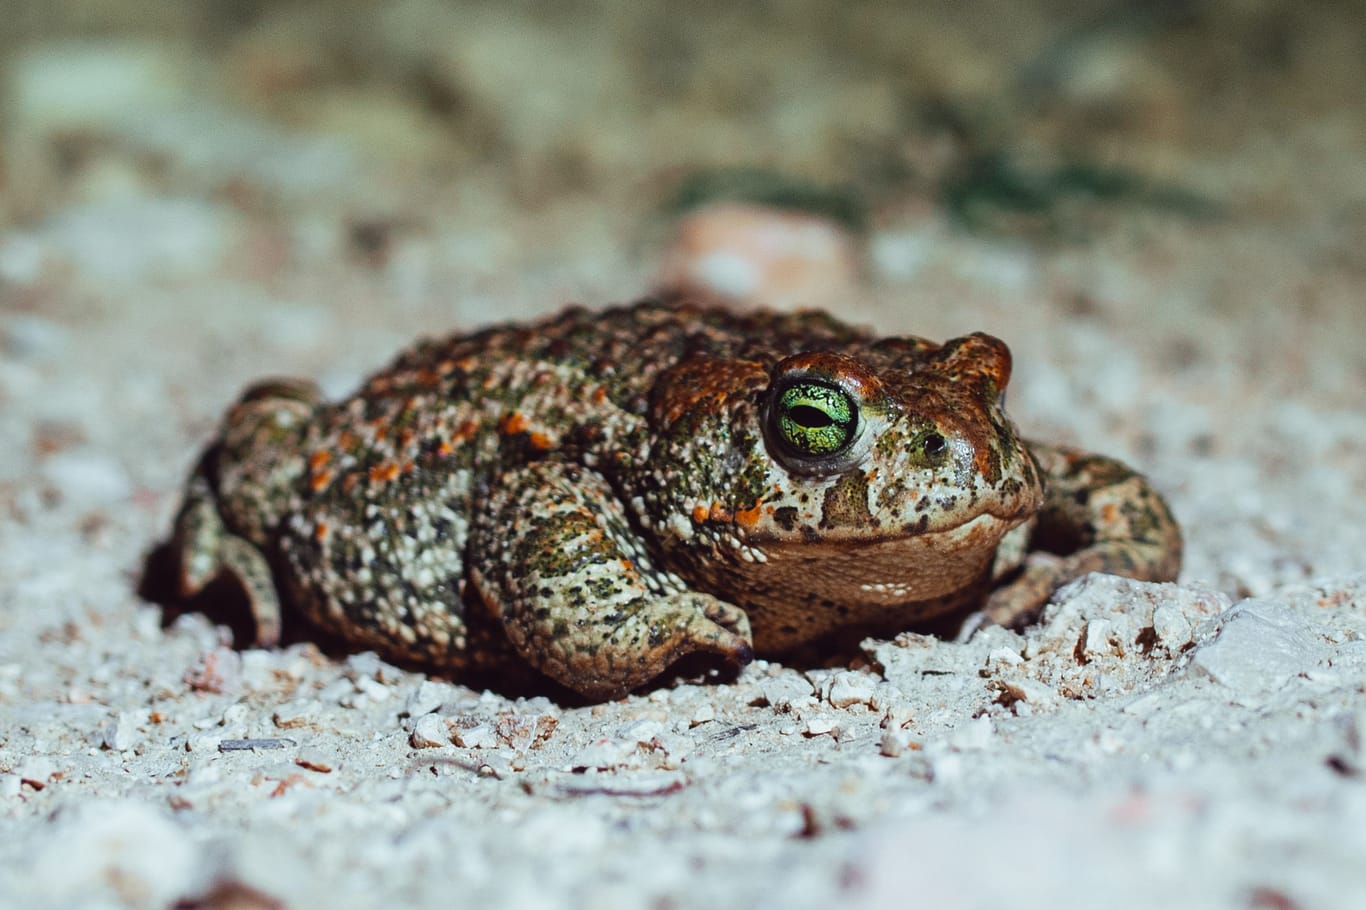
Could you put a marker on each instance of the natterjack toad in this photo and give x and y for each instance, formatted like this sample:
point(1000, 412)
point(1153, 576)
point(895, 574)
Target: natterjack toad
point(601, 494)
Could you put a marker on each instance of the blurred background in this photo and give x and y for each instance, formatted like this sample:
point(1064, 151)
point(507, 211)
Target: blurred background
point(1039, 119)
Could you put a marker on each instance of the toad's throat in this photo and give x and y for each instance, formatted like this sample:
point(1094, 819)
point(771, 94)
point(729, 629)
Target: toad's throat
point(801, 592)
point(883, 572)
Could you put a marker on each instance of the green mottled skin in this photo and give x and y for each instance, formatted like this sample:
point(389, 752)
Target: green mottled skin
point(601, 494)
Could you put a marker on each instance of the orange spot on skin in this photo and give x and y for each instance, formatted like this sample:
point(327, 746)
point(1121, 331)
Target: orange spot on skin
point(541, 442)
point(699, 514)
point(349, 482)
point(444, 448)
point(383, 473)
point(513, 424)
point(320, 480)
point(320, 531)
point(719, 513)
point(465, 431)
point(599, 395)
point(749, 517)
point(1109, 513)
point(346, 441)
point(318, 459)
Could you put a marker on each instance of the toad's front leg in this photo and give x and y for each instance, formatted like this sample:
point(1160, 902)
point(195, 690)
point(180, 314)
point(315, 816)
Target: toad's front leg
point(1099, 516)
point(554, 557)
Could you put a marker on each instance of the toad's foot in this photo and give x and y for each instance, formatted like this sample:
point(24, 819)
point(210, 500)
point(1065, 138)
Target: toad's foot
point(554, 557)
point(1099, 516)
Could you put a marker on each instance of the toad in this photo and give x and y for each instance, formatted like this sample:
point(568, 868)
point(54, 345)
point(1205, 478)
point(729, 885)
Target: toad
point(601, 494)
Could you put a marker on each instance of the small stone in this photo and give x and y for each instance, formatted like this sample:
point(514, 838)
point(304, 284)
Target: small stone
point(338, 692)
point(298, 713)
point(426, 698)
point(521, 732)
point(1098, 638)
point(604, 754)
point(471, 733)
point(121, 733)
point(376, 691)
point(1171, 627)
point(820, 725)
point(895, 741)
point(429, 732)
point(898, 716)
point(258, 669)
point(751, 254)
point(1259, 648)
point(1030, 691)
point(1004, 656)
point(846, 689)
point(782, 691)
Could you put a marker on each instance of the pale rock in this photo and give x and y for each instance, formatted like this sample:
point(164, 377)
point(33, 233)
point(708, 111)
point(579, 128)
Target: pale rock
point(429, 732)
point(472, 734)
point(1259, 648)
point(604, 754)
point(782, 691)
point(121, 733)
point(846, 689)
point(425, 698)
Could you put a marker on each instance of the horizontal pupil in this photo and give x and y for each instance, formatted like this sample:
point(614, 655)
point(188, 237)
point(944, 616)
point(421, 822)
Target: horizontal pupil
point(805, 415)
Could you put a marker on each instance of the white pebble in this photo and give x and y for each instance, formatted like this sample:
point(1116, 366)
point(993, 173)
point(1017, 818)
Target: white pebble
point(820, 724)
point(429, 732)
point(121, 733)
point(426, 698)
point(475, 736)
point(846, 689)
point(1260, 647)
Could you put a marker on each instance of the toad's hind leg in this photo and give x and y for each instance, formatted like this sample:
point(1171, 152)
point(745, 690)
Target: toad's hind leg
point(1099, 516)
point(234, 496)
point(555, 559)
point(205, 551)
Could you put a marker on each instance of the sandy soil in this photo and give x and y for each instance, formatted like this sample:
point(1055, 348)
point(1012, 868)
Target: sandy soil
point(188, 203)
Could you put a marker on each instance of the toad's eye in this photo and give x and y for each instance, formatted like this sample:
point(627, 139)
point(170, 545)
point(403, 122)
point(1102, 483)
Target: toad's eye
point(814, 418)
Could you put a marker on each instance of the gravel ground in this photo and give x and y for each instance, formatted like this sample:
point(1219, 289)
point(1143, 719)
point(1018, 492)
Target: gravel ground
point(186, 209)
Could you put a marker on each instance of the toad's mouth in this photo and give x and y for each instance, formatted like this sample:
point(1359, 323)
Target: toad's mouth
point(886, 571)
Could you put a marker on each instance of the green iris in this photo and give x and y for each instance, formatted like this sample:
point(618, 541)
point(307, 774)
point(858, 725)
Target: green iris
point(816, 419)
